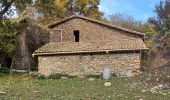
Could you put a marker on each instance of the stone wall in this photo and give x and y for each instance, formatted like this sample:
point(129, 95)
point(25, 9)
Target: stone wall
point(89, 31)
point(121, 64)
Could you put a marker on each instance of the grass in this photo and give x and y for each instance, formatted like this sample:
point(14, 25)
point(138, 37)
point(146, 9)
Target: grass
point(18, 86)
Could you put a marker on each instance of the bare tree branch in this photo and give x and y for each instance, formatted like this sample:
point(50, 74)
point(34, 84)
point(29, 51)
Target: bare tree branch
point(7, 5)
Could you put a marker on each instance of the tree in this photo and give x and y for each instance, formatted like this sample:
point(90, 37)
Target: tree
point(30, 37)
point(8, 31)
point(162, 21)
point(161, 24)
point(125, 21)
point(5, 6)
point(88, 8)
point(8, 27)
point(53, 10)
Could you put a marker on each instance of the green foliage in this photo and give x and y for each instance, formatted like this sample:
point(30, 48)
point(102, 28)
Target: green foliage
point(34, 69)
point(59, 76)
point(41, 77)
point(93, 76)
point(54, 76)
point(8, 32)
point(53, 10)
point(149, 31)
point(151, 45)
point(21, 5)
point(87, 8)
point(148, 55)
point(46, 8)
point(4, 70)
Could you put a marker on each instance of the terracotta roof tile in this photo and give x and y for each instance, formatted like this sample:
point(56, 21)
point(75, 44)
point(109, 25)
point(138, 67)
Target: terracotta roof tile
point(78, 47)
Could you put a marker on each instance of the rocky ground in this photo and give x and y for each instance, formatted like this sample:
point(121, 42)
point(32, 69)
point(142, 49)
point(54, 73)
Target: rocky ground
point(156, 80)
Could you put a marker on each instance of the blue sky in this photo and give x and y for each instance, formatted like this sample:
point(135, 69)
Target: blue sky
point(139, 9)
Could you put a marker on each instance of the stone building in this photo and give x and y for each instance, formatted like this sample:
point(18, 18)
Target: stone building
point(83, 46)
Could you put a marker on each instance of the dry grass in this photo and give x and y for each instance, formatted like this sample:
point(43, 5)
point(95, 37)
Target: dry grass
point(156, 80)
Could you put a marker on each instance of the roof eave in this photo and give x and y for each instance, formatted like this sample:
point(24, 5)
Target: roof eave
point(78, 52)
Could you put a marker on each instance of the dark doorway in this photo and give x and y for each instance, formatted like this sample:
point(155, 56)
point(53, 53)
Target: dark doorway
point(8, 61)
point(77, 35)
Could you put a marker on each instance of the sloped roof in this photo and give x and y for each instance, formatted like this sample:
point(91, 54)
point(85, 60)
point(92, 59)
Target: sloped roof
point(86, 47)
point(98, 22)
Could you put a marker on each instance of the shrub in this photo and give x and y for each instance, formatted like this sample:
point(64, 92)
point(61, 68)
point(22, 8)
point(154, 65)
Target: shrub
point(34, 69)
point(41, 77)
point(93, 76)
point(54, 76)
point(59, 75)
point(5, 70)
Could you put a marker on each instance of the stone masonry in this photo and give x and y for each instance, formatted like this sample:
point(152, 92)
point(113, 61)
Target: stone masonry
point(122, 64)
point(88, 32)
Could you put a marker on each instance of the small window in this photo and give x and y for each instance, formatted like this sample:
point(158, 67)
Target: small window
point(56, 35)
point(77, 35)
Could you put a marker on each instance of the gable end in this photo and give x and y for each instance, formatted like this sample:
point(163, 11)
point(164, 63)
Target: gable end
point(98, 22)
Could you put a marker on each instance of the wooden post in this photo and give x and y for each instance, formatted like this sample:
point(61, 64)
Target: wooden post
point(140, 56)
point(11, 65)
point(61, 35)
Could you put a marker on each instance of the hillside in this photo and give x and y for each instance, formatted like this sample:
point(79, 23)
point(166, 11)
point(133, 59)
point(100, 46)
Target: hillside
point(155, 80)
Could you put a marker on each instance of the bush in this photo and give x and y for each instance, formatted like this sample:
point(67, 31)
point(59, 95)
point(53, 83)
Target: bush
point(93, 76)
point(100, 76)
point(41, 77)
point(54, 76)
point(34, 69)
point(59, 75)
point(5, 70)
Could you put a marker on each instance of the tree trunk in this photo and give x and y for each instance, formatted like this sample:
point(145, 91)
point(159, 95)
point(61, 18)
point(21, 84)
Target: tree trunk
point(22, 58)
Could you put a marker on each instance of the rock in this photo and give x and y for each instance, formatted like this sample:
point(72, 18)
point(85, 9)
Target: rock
point(107, 84)
point(129, 73)
point(91, 79)
point(64, 78)
point(143, 90)
point(1, 92)
point(34, 73)
point(157, 79)
point(160, 85)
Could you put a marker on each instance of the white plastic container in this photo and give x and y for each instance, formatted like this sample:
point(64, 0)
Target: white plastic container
point(106, 74)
